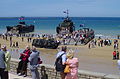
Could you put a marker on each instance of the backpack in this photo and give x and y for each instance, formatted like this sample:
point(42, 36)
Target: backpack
point(58, 64)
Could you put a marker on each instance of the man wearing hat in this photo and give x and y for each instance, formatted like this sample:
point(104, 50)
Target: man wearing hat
point(2, 64)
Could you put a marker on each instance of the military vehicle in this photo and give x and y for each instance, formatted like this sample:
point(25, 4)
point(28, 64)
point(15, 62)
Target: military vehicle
point(20, 28)
point(67, 26)
point(88, 35)
point(45, 43)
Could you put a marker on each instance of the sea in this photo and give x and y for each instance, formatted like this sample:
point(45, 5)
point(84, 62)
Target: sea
point(106, 27)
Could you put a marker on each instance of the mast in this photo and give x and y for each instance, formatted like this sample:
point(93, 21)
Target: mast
point(67, 13)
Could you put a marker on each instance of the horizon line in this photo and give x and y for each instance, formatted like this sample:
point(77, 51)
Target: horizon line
point(60, 16)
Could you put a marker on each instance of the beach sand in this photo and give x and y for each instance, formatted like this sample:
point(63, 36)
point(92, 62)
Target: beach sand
point(98, 59)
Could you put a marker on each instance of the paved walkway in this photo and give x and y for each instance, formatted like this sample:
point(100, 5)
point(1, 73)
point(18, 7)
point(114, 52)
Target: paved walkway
point(14, 76)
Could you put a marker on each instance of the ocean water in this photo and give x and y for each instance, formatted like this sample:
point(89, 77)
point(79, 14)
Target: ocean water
point(108, 27)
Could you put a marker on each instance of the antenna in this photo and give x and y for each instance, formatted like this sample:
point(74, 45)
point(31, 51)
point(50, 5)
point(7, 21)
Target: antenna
point(67, 12)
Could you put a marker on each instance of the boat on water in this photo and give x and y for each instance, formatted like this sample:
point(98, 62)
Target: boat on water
point(67, 26)
point(66, 30)
point(22, 27)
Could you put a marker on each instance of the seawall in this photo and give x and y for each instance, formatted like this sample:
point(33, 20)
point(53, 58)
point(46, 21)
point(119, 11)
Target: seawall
point(50, 71)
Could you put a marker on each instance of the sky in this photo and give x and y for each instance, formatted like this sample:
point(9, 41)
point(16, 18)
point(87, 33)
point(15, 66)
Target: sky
point(55, 8)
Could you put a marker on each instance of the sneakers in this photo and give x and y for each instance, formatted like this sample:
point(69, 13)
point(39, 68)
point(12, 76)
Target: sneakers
point(24, 75)
point(19, 74)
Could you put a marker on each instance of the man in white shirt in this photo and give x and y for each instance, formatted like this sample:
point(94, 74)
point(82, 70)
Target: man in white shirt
point(62, 53)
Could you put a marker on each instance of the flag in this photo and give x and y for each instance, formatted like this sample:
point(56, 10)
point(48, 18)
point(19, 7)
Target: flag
point(82, 25)
point(21, 18)
point(64, 12)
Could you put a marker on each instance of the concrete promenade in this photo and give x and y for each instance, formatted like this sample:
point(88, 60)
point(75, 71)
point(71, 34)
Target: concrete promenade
point(50, 71)
point(14, 76)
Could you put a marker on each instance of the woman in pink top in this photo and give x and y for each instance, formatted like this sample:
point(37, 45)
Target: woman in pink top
point(73, 63)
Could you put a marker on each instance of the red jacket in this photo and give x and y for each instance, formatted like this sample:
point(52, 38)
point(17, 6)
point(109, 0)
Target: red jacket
point(25, 55)
point(114, 53)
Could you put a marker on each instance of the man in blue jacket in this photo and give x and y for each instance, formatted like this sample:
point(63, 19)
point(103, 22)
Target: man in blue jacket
point(33, 63)
point(2, 64)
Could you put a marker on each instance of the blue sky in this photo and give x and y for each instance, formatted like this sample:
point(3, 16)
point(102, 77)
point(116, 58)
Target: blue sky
point(77, 8)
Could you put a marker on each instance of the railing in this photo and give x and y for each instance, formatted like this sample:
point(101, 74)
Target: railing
point(49, 71)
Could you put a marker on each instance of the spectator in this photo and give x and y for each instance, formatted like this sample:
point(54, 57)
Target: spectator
point(117, 55)
point(22, 66)
point(89, 45)
point(2, 64)
point(33, 65)
point(62, 53)
point(17, 45)
point(22, 39)
point(73, 64)
point(13, 44)
point(114, 55)
point(7, 63)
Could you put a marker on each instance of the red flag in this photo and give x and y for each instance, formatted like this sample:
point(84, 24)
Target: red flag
point(21, 18)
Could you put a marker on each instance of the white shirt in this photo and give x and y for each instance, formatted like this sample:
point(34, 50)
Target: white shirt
point(63, 56)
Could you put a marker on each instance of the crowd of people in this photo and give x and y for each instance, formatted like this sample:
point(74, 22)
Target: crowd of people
point(30, 58)
point(103, 42)
point(75, 37)
point(116, 52)
point(106, 42)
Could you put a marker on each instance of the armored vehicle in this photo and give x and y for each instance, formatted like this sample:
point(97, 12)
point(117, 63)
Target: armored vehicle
point(45, 43)
point(20, 28)
point(67, 26)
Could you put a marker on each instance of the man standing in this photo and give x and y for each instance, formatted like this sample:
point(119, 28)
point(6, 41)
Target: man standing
point(117, 55)
point(7, 63)
point(33, 65)
point(2, 64)
point(60, 68)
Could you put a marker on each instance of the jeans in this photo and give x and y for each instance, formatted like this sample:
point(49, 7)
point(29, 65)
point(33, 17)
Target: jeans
point(2, 73)
point(35, 73)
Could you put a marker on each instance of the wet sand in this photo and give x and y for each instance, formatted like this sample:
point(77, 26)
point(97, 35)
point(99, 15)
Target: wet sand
point(98, 59)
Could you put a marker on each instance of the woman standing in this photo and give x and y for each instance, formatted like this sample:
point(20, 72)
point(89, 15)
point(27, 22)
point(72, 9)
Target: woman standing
point(73, 64)
point(22, 66)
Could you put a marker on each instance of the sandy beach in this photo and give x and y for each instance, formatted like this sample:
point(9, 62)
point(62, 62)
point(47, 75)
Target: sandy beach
point(98, 59)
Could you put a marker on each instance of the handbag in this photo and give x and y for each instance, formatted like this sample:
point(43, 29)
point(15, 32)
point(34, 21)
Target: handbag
point(67, 69)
